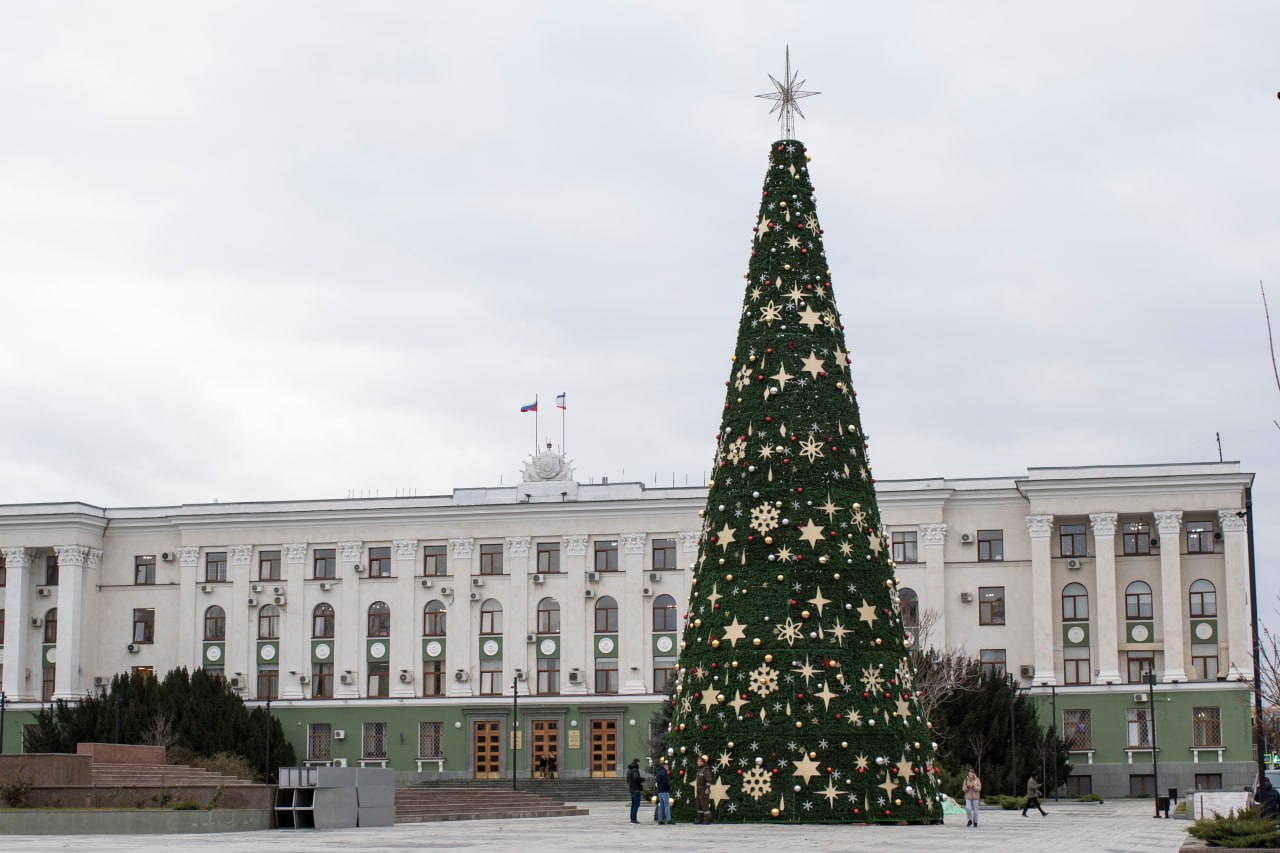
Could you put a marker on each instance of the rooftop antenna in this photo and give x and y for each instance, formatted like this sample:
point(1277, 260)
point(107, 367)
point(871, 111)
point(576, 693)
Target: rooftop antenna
point(1218, 436)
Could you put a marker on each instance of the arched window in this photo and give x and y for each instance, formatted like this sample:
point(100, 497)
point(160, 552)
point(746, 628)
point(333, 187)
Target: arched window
point(433, 619)
point(215, 624)
point(491, 617)
point(1075, 603)
point(664, 613)
point(51, 625)
point(1137, 600)
point(268, 622)
point(379, 619)
point(322, 622)
point(606, 616)
point(909, 604)
point(548, 616)
point(1204, 599)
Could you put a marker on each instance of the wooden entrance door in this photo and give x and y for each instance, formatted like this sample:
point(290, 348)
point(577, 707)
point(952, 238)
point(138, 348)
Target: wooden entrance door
point(486, 746)
point(604, 748)
point(546, 745)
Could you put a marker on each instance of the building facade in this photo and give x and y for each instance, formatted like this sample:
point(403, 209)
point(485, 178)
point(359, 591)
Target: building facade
point(412, 632)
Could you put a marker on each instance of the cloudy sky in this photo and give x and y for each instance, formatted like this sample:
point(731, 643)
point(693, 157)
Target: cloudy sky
point(258, 251)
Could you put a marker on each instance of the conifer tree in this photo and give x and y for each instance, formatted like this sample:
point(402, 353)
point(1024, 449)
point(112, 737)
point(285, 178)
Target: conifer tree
point(795, 681)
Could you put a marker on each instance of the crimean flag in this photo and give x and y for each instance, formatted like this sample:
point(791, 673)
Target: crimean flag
point(531, 407)
point(560, 401)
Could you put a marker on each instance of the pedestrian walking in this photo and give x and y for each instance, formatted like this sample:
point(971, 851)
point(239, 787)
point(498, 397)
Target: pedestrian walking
point(972, 788)
point(1269, 797)
point(702, 788)
point(636, 783)
point(662, 781)
point(1033, 797)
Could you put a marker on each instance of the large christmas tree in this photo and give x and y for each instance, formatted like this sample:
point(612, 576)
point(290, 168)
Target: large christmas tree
point(794, 678)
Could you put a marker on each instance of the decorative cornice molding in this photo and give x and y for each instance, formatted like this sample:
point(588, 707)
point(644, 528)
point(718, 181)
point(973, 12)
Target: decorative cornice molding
point(633, 543)
point(94, 561)
point(576, 545)
point(351, 551)
point(16, 559)
point(1169, 522)
point(295, 552)
point(1039, 526)
point(462, 548)
point(1104, 523)
point(1230, 522)
point(71, 556)
point(934, 533)
point(188, 556)
point(241, 555)
point(518, 546)
point(406, 549)
point(689, 542)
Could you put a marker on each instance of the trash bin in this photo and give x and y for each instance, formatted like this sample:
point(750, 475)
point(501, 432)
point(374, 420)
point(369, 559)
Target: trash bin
point(1162, 805)
point(1173, 795)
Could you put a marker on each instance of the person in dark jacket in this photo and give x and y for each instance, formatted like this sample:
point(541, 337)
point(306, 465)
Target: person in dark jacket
point(1033, 797)
point(702, 788)
point(662, 781)
point(636, 783)
point(1269, 797)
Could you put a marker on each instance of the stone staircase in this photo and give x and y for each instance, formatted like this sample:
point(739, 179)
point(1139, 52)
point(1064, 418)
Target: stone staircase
point(424, 804)
point(573, 790)
point(158, 776)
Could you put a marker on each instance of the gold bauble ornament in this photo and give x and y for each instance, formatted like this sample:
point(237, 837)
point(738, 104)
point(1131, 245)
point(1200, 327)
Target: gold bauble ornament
point(756, 642)
point(768, 658)
point(799, 724)
point(780, 578)
point(729, 744)
point(774, 812)
point(715, 644)
point(728, 577)
point(804, 614)
point(813, 755)
point(697, 623)
point(768, 540)
point(844, 744)
point(722, 561)
point(823, 559)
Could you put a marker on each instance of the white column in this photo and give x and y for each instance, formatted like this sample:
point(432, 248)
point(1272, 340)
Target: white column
point(70, 646)
point(294, 654)
point(406, 619)
point(17, 628)
point(935, 580)
point(1169, 524)
point(1235, 604)
point(460, 646)
point(190, 649)
point(634, 612)
point(348, 641)
point(1107, 645)
point(577, 640)
point(515, 622)
point(241, 618)
point(1040, 528)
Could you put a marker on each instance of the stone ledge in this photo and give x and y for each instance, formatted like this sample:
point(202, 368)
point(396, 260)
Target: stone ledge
point(130, 821)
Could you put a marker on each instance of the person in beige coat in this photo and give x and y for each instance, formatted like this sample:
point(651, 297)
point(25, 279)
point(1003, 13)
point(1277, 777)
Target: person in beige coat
point(972, 788)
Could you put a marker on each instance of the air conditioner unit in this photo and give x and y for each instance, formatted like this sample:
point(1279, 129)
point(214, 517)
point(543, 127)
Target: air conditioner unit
point(406, 677)
point(36, 621)
point(477, 581)
point(253, 602)
point(593, 577)
point(44, 591)
point(460, 675)
point(966, 597)
point(325, 586)
point(530, 638)
point(278, 600)
point(539, 578)
point(132, 648)
point(339, 762)
point(519, 674)
point(303, 679)
point(446, 590)
point(257, 587)
point(426, 583)
point(277, 590)
point(345, 678)
point(655, 577)
point(206, 587)
point(1217, 536)
point(236, 682)
point(1139, 697)
point(589, 593)
point(357, 568)
point(1155, 543)
point(646, 591)
point(1074, 564)
point(167, 556)
point(99, 681)
point(339, 734)
point(575, 676)
point(966, 538)
point(475, 596)
point(1027, 671)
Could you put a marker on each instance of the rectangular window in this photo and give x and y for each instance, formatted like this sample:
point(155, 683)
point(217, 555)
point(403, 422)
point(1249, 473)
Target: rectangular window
point(1077, 728)
point(47, 675)
point(269, 623)
point(4, 571)
point(1199, 537)
point(1142, 785)
point(1136, 538)
point(373, 741)
point(433, 678)
point(322, 681)
point(490, 559)
point(1072, 540)
point(490, 678)
point(1206, 727)
point(145, 673)
point(430, 740)
point(1076, 665)
point(664, 555)
point(379, 680)
point(319, 741)
point(268, 681)
point(215, 567)
point(211, 670)
point(990, 605)
point(606, 675)
point(549, 676)
point(1203, 600)
point(1138, 721)
point(324, 564)
point(144, 570)
point(380, 562)
point(1079, 786)
point(268, 565)
point(2, 628)
point(1137, 602)
point(664, 673)
point(51, 571)
point(491, 621)
point(993, 661)
point(904, 547)
point(548, 558)
point(144, 625)
point(607, 555)
point(990, 546)
point(1208, 781)
point(1204, 661)
point(215, 625)
point(435, 560)
point(1140, 663)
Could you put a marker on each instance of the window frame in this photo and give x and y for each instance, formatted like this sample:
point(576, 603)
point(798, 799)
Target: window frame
point(548, 676)
point(1077, 670)
point(380, 561)
point(323, 618)
point(268, 681)
point(1138, 658)
point(1206, 727)
point(1073, 540)
point(268, 622)
point(324, 564)
point(215, 567)
point(667, 548)
point(491, 677)
point(435, 623)
point(1198, 534)
point(991, 611)
point(548, 558)
point(666, 617)
point(144, 626)
point(994, 663)
point(1137, 722)
point(435, 561)
point(144, 570)
point(990, 546)
point(1202, 603)
point(378, 680)
point(269, 566)
point(606, 672)
point(1079, 738)
point(433, 673)
point(215, 625)
point(548, 618)
point(1135, 539)
point(322, 680)
point(491, 559)
point(905, 547)
point(1136, 602)
point(378, 621)
point(1072, 614)
point(490, 618)
point(608, 549)
point(611, 622)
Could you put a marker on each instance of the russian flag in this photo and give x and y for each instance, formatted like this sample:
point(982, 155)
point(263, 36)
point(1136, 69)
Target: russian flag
point(560, 401)
point(531, 407)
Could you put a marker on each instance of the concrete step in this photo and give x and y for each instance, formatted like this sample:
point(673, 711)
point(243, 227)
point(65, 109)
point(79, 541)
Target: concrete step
point(424, 805)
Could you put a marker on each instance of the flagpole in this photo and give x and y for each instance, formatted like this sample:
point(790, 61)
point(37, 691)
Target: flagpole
point(535, 424)
point(563, 449)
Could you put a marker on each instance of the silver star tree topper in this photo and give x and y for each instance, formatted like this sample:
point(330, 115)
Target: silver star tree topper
point(788, 92)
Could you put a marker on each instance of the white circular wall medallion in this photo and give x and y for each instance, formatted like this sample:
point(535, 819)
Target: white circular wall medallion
point(213, 653)
point(1075, 634)
point(323, 651)
point(665, 644)
point(490, 647)
point(1204, 631)
point(434, 648)
point(268, 652)
point(548, 647)
point(51, 656)
point(1139, 633)
point(605, 645)
point(378, 650)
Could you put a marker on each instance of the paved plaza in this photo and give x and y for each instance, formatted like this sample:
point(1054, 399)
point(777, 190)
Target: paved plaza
point(1119, 826)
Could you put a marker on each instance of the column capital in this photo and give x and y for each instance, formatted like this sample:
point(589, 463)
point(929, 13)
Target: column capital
point(71, 556)
point(241, 555)
point(295, 552)
point(406, 549)
point(518, 546)
point(462, 548)
point(188, 556)
point(1169, 522)
point(1039, 526)
point(94, 560)
point(689, 543)
point(1104, 523)
point(633, 543)
point(16, 558)
point(1232, 520)
point(576, 545)
point(934, 533)
point(351, 551)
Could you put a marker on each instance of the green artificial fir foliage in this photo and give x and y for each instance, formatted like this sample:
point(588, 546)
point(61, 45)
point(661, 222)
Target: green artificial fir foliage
point(794, 675)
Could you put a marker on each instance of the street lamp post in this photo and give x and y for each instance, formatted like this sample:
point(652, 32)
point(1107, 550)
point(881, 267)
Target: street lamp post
point(515, 726)
point(267, 769)
point(1053, 692)
point(1013, 742)
point(1150, 677)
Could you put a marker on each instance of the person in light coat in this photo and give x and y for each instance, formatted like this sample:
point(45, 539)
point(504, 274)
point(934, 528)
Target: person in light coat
point(972, 788)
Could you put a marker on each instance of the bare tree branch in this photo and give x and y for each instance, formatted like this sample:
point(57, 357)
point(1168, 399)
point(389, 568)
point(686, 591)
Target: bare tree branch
point(1271, 342)
point(940, 673)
